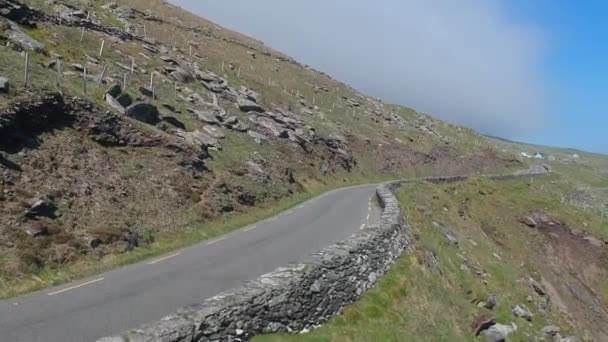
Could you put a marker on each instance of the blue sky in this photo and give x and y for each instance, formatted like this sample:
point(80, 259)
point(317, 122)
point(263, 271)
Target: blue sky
point(576, 69)
point(530, 70)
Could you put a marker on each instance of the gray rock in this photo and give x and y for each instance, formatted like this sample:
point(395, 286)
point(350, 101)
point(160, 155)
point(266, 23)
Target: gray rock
point(181, 75)
point(4, 85)
point(538, 288)
point(209, 76)
point(20, 38)
point(37, 231)
point(168, 59)
point(215, 87)
point(214, 132)
point(114, 90)
point(499, 332)
point(247, 105)
point(200, 138)
point(257, 137)
point(529, 221)
point(550, 330)
point(522, 312)
point(146, 92)
point(125, 100)
point(42, 207)
point(173, 121)
point(144, 112)
point(205, 116)
point(50, 64)
point(113, 102)
point(124, 13)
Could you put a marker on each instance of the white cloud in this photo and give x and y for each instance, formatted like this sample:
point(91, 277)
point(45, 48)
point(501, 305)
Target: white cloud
point(460, 60)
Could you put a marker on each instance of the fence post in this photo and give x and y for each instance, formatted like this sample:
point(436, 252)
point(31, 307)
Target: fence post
point(190, 50)
point(85, 78)
point(151, 80)
point(132, 65)
point(88, 15)
point(124, 80)
point(27, 68)
point(239, 73)
point(103, 75)
point(59, 73)
point(82, 35)
point(103, 43)
point(145, 32)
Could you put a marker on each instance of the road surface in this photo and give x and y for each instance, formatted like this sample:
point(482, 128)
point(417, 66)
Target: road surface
point(125, 298)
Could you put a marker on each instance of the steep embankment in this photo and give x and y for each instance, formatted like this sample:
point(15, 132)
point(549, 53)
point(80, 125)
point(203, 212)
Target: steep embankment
point(170, 124)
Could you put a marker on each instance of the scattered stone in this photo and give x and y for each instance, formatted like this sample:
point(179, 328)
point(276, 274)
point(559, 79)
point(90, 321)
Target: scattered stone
point(490, 304)
point(257, 137)
point(181, 75)
point(550, 330)
point(200, 138)
point(146, 92)
point(42, 207)
point(37, 230)
point(499, 332)
point(50, 64)
point(125, 100)
point(537, 287)
point(168, 59)
point(247, 105)
point(143, 112)
point(173, 121)
point(4, 85)
point(214, 132)
point(77, 66)
point(113, 102)
point(114, 90)
point(522, 312)
point(20, 38)
point(529, 221)
point(205, 116)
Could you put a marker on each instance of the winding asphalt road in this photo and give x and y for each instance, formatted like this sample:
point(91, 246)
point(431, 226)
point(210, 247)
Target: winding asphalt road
point(127, 297)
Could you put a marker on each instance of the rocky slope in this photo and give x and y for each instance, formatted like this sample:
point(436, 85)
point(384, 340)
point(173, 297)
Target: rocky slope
point(139, 120)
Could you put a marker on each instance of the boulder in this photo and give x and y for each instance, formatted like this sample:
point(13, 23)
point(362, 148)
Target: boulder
point(168, 59)
point(209, 76)
point(522, 312)
point(550, 330)
point(538, 288)
point(173, 121)
point(41, 207)
point(20, 38)
point(205, 116)
point(37, 230)
point(247, 105)
point(182, 75)
point(257, 137)
point(499, 332)
point(4, 85)
point(113, 102)
point(529, 221)
point(143, 112)
point(214, 132)
point(114, 90)
point(125, 100)
point(198, 138)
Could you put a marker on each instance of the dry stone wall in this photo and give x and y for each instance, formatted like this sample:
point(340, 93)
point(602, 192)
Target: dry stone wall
point(294, 297)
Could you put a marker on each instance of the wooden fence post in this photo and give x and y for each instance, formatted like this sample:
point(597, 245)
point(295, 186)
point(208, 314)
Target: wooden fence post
point(85, 79)
point(27, 68)
point(82, 35)
point(103, 43)
point(145, 32)
point(151, 80)
point(59, 73)
point(124, 80)
point(103, 75)
point(132, 65)
point(239, 73)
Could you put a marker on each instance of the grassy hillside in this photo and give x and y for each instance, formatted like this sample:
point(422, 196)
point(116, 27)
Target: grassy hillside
point(472, 249)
